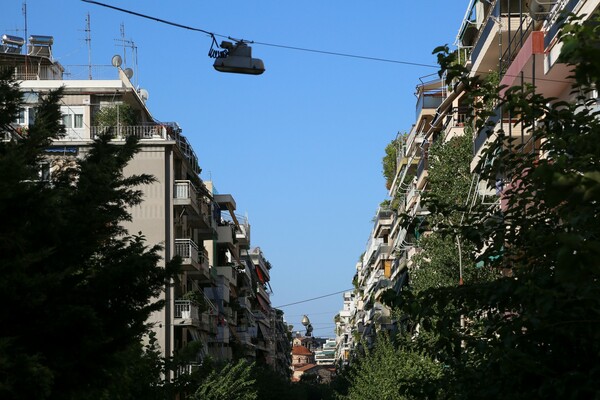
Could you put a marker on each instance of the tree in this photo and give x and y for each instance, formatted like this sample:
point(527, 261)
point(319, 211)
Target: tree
point(119, 114)
point(76, 288)
point(233, 381)
point(389, 162)
point(530, 329)
point(393, 372)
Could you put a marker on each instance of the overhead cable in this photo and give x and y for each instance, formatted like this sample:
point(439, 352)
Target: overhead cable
point(314, 298)
point(213, 35)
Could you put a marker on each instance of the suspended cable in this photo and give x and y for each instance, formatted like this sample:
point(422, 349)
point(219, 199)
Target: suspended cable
point(150, 17)
point(213, 35)
point(347, 55)
point(314, 298)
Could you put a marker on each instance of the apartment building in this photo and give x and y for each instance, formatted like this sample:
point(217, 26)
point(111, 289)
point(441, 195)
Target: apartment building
point(222, 290)
point(516, 42)
point(343, 328)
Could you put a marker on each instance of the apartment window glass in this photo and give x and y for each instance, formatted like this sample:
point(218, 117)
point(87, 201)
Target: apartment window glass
point(21, 117)
point(31, 116)
point(78, 121)
point(67, 120)
point(44, 171)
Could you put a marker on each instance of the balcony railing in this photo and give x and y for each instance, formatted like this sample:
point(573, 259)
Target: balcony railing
point(485, 32)
point(485, 132)
point(184, 309)
point(422, 166)
point(139, 131)
point(185, 190)
point(429, 100)
point(187, 249)
point(556, 20)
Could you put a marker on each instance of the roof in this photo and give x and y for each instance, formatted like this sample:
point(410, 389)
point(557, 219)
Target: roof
point(301, 351)
point(306, 367)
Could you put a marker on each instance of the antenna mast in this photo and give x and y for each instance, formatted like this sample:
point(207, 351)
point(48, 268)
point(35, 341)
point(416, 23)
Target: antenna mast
point(131, 44)
point(24, 10)
point(88, 40)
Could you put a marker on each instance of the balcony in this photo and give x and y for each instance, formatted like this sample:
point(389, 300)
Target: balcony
point(516, 135)
point(244, 336)
point(454, 125)
point(412, 197)
point(556, 22)
point(429, 97)
point(193, 259)
point(383, 222)
point(242, 234)
point(230, 315)
point(259, 315)
point(222, 334)
point(186, 194)
point(244, 303)
point(143, 132)
point(372, 246)
point(226, 233)
point(260, 289)
point(422, 172)
point(221, 292)
point(498, 28)
point(382, 254)
point(229, 272)
point(186, 313)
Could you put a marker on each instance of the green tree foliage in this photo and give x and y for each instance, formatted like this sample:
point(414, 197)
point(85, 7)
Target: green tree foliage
point(76, 288)
point(120, 114)
point(391, 372)
point(529, 329)
point(389, 162)
point(233, 381)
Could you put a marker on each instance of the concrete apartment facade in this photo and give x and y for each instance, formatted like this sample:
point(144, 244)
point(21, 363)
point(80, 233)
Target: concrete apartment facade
point(221, 294)
point(519, 41)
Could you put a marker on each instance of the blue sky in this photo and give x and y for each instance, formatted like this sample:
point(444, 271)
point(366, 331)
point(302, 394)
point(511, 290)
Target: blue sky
point(300, 146)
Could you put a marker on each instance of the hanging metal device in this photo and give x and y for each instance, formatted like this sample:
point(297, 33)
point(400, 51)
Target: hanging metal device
point(236, 58)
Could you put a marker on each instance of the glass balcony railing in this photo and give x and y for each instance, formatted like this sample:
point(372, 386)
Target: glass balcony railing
point(429, 100)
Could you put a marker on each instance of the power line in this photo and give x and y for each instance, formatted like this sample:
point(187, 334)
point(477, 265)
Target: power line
point(150, 17)
point(314, 298)
point(319, 313)
point(212, 34)
point(333, 53)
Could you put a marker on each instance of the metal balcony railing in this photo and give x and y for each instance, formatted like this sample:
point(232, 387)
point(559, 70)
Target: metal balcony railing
point(187, 249)
point(485, 32)
point(422, 166)
point(185, 190)
point(555, 19)
point(139, 131)
point(429, 100)
point(185, 309)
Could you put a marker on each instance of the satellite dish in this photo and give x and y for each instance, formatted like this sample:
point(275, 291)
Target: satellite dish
point(116, 61)
point(239, 60)
point(144, 94)
point(128, 72)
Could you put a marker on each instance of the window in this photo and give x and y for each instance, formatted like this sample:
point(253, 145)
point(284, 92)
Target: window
point(44, 171)
point(21, 117)
point(26, 116)
point(78, 121)
point(67, 120)
point(72, 119)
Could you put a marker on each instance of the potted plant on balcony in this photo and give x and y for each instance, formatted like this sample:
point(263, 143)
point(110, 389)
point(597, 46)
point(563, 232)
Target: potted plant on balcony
point(196, 298)
point(109, 119)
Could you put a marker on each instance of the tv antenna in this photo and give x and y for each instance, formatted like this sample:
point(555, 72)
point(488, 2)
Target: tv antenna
point(88, 40)
point(129, 43)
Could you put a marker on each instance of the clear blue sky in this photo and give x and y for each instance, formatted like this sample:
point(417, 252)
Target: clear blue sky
point(300, 146)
